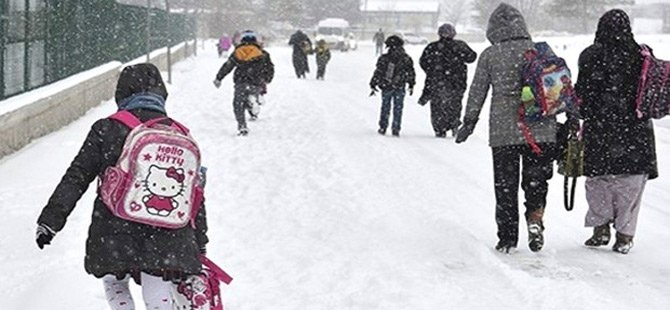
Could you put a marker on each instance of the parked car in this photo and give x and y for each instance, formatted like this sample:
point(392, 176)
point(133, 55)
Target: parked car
point(335, 31)
point(412, 38)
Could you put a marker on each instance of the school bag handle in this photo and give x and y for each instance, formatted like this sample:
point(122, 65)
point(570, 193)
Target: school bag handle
point(218, 273)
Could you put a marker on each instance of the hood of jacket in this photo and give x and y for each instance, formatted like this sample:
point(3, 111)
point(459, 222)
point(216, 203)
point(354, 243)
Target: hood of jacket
point(140, 79)
point(506, 23)
point(246, 52)
point(614, 29)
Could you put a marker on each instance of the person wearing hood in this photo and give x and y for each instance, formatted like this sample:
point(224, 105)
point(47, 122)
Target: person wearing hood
point(118, 249)
point(302, 46)
point(498, 68)
point(445, 63)
point(253, 71)
point(394, 70)
point(619, 150)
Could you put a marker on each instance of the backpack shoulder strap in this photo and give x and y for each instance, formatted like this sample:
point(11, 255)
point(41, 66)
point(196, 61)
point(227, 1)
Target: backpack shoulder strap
point(126, 118)
point(646, 51)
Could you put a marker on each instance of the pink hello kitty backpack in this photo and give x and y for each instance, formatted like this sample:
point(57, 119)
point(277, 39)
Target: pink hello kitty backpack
point(156, 179)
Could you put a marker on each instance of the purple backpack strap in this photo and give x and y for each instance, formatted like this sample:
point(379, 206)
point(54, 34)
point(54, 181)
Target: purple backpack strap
point(126, 118)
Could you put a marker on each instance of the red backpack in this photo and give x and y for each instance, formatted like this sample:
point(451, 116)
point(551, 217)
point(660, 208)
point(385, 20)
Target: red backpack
point(653, 92)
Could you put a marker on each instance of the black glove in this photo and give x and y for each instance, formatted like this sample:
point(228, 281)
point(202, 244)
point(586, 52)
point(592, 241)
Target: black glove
point(44, 235)
point(466, 130)
point(373, 91)
point(203, 250)
point(411, 90)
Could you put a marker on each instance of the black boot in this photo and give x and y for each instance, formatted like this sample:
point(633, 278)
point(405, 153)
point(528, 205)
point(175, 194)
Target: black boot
point(623, 243)
point(535, 237)
point(381, 131)
point(601, 236)
point(535, 230)
point(505, 247)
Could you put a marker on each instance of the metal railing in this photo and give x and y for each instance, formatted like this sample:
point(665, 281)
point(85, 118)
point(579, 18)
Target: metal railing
point(42, 41)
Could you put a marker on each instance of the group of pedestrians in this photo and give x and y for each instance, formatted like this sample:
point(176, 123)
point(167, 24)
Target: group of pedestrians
point(445, 64)
point(302, 47)
point(619, 153)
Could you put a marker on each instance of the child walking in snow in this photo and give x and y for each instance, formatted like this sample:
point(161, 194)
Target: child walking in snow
point(322, 57)
point(118, 249)
point(253, 71)
point(394, 70)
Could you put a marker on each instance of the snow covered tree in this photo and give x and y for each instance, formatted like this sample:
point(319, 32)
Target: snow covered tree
point(292, 11)
point(581, 13)
point(531, 10)
point(453, 11)
point(320, 9)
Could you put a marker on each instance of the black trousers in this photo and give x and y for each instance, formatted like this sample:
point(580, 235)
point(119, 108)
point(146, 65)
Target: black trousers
point(241, 102)
point(535, 171)
point(445, 109)
point(320, 70)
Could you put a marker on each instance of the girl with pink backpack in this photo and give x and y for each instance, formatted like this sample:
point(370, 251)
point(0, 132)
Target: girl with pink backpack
point(118, 249)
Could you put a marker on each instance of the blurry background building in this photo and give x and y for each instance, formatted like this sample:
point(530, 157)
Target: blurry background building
point(420, 17)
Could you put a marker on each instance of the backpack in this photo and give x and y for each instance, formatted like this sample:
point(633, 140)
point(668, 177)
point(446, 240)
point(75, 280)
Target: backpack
point(653, 92)
point(546, 89)
point(156, 179)
point(201, 292)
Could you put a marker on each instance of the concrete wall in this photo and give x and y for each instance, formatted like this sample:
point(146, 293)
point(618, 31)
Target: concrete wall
point(65, 101)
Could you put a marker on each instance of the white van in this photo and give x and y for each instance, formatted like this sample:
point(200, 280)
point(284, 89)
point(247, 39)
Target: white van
point(336, 33)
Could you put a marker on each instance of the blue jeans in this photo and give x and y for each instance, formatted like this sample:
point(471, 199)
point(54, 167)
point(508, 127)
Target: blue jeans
point(397, 95)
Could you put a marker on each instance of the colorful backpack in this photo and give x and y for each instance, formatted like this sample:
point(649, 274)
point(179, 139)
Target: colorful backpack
point(547, 89)
point(156, 179)
point(201, 292)
point(653, 92)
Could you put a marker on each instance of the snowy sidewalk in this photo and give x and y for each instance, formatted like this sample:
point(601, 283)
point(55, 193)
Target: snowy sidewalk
point(315, 210)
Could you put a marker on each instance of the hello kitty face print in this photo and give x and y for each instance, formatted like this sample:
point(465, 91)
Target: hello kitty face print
point(163, 185)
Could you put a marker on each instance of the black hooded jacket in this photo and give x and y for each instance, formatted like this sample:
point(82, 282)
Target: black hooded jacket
point(616, 141)
point(394, 70)
point(114, 245)
point(444, 62)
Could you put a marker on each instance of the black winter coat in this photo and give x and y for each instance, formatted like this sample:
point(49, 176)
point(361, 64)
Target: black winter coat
point(253, 64)
point(394, 70)
point(444, 62)
point(616, 141)
point(116, 246)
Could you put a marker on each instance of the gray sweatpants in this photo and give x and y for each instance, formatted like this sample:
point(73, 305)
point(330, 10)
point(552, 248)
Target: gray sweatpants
point(615, 198)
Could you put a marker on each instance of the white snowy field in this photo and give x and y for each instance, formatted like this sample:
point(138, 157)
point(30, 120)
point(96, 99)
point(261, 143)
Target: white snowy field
point(315, 210)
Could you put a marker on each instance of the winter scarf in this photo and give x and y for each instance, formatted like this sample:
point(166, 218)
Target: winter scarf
point(143, 100)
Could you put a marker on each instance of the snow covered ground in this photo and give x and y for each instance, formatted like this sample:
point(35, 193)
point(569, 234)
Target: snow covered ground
point(315, 210)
